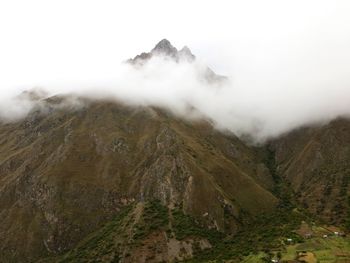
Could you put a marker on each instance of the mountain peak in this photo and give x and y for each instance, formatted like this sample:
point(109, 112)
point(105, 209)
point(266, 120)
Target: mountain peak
point(185, 53)
point(186, 50)
point(165, 47)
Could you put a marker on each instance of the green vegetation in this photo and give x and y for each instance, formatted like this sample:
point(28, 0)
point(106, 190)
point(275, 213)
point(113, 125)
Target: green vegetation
point(263, 233)
point(155, 216)
point(102, 242)
point(255, 258)
point(281, 188)
point(331, 249)
point(261, 239)
point(117, 238)
point(185, 226)
point(347, 220)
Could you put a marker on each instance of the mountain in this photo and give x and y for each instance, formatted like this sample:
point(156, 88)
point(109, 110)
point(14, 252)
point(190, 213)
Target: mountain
point(65, 172)
point(165, 49)
point(87, 180)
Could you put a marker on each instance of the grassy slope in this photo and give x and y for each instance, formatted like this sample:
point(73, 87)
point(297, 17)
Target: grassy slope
point(331, 249)
point(316, 163)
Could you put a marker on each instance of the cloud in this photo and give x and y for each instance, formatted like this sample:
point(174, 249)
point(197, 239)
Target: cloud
point(258, 109)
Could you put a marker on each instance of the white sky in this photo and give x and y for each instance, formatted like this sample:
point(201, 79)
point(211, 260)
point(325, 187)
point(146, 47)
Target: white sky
point(45, 41)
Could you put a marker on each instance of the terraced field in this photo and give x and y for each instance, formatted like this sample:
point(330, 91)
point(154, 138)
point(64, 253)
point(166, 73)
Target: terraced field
point(320, 249)
point(316, 249)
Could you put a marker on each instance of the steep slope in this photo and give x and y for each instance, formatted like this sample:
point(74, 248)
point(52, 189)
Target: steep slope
point(316, 163)
point(67, 170)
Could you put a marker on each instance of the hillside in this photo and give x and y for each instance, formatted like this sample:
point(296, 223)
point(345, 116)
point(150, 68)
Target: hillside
point(66, 172)
point(316, 163)
point(69, 171)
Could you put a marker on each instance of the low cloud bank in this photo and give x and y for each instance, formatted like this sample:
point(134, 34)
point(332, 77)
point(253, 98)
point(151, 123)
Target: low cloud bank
point(253, 106)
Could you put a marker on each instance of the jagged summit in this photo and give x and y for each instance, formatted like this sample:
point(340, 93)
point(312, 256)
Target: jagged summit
point(165, 47)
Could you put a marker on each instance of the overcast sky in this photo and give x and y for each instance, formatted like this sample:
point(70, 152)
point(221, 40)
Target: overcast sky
point(74, 40)
point(288, 61)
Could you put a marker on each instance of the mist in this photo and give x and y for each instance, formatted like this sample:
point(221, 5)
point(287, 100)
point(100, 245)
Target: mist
point(260, 109)
point(287, 64)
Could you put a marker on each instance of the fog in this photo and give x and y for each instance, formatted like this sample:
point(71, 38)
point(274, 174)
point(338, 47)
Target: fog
point(288, 64)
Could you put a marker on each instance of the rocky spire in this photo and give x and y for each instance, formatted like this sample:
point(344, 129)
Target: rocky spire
point(165, 47)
